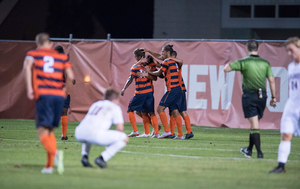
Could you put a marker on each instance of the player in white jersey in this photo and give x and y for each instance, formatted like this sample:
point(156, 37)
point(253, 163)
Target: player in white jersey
point(94, 129)
point(290, 120)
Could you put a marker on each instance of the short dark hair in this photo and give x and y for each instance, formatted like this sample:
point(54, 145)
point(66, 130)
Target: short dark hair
point(252, 45)
point(111, 94)
point(41, 38)
point(174, 53)
point(60, 49)
point(139, 52)
point(169, 48)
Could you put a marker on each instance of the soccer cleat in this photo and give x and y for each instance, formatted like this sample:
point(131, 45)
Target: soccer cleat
point(171, 136)
point(144, 135)
point(133, 134)
point(85, 161)
point(155, 136)
point(100, 162)
point(48, 170)
point(277, 170)
point(64, 138)
point(152, 132)
point(246, 153)
point(180, 138)
point(189, 136)
point(165, 135)
point(260, 155)
point(59, 161)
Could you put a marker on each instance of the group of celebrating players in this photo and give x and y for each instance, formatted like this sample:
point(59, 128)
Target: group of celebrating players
point(145, 71)
point(45, 69)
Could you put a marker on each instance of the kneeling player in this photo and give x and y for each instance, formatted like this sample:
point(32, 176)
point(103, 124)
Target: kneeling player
point(94, 129)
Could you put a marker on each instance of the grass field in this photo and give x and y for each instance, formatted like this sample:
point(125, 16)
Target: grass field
point(210, 160)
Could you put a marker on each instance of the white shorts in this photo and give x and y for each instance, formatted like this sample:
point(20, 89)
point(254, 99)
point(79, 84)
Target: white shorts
point(290, 120)
point(100, 137)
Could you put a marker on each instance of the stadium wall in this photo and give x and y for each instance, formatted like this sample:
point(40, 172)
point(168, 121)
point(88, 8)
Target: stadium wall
point(213, 98)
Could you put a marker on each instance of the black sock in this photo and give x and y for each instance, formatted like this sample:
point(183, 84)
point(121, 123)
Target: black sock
point(281, 164)
point(256, 139)
point(250, 143)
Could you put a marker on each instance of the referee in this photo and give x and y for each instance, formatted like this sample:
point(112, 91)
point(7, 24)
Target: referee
point(254, 71)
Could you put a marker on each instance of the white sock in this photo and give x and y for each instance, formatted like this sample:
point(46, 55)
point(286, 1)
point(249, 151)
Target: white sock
point(85, 149)
point(112, 150)
point(284, 151)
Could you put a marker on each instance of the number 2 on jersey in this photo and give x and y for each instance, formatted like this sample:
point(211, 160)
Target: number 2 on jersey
point(95, 110)
point(49, 62)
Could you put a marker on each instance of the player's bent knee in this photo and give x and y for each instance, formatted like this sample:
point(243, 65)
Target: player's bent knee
point(286, 136)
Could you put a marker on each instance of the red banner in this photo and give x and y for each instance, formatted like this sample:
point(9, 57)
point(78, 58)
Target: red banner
point(213, 97)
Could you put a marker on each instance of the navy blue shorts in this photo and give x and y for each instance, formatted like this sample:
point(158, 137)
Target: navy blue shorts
point(142, 103)
point(67, 102)
point(48, 110)
point(182, 106)
point(172, 99)
point(254, 106)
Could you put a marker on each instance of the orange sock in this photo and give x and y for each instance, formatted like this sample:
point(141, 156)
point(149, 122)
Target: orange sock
point(187, 122)
point(155, 124)
point(146, 122)
point(172, 124)
point(132, 120)
point(164, 120)
point(50, 146)
point(48, 160)
point(179, 125)
point(64, 125)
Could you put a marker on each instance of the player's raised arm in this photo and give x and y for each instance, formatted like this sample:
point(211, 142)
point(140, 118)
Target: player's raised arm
point(179, 61)
point(128, 82)
point(156, 73)
point(28, 78)
point(156, 55)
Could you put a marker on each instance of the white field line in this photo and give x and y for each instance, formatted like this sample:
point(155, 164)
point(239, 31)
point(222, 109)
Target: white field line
point(158, 147)
point(200, 157)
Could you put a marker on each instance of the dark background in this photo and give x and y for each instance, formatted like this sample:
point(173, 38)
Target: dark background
point(82, 18)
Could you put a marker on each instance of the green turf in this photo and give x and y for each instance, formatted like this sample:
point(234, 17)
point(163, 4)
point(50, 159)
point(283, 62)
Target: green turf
point(210, 160)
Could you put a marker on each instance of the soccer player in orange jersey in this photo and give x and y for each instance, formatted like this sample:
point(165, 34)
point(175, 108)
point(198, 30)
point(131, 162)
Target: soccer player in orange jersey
point(64, 118)
point(172, 97)
point(182, 108)
point(143, 99)
point(44, 69)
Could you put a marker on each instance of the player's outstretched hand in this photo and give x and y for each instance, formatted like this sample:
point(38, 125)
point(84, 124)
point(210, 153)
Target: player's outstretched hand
point(147, 68)
point(122, 92)
point(273, 102)
point(30, 94)
point(144, 49)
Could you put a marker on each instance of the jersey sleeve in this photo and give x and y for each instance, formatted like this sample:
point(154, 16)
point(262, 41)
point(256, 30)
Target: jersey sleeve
point(67, 64)
point(134, 71)
point(28, 56)
point(164, 66)
point(269, 71)
point(118, 117)
point(236, 65)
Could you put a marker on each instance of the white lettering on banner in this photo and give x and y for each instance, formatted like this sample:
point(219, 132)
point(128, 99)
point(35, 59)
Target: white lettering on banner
point(283, 74)
point(218, 86)
point(194, 87)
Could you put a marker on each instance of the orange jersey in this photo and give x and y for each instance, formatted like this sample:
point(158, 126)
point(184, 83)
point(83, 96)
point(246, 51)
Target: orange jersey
point(182, 85)
point(48, 70)
point(172, 76)
point(142, 84)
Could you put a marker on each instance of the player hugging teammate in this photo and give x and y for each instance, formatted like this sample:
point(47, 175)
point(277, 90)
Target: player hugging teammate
point(174, 98)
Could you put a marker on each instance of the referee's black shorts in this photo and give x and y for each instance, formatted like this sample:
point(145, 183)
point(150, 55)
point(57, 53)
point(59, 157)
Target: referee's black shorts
point(253, 106)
